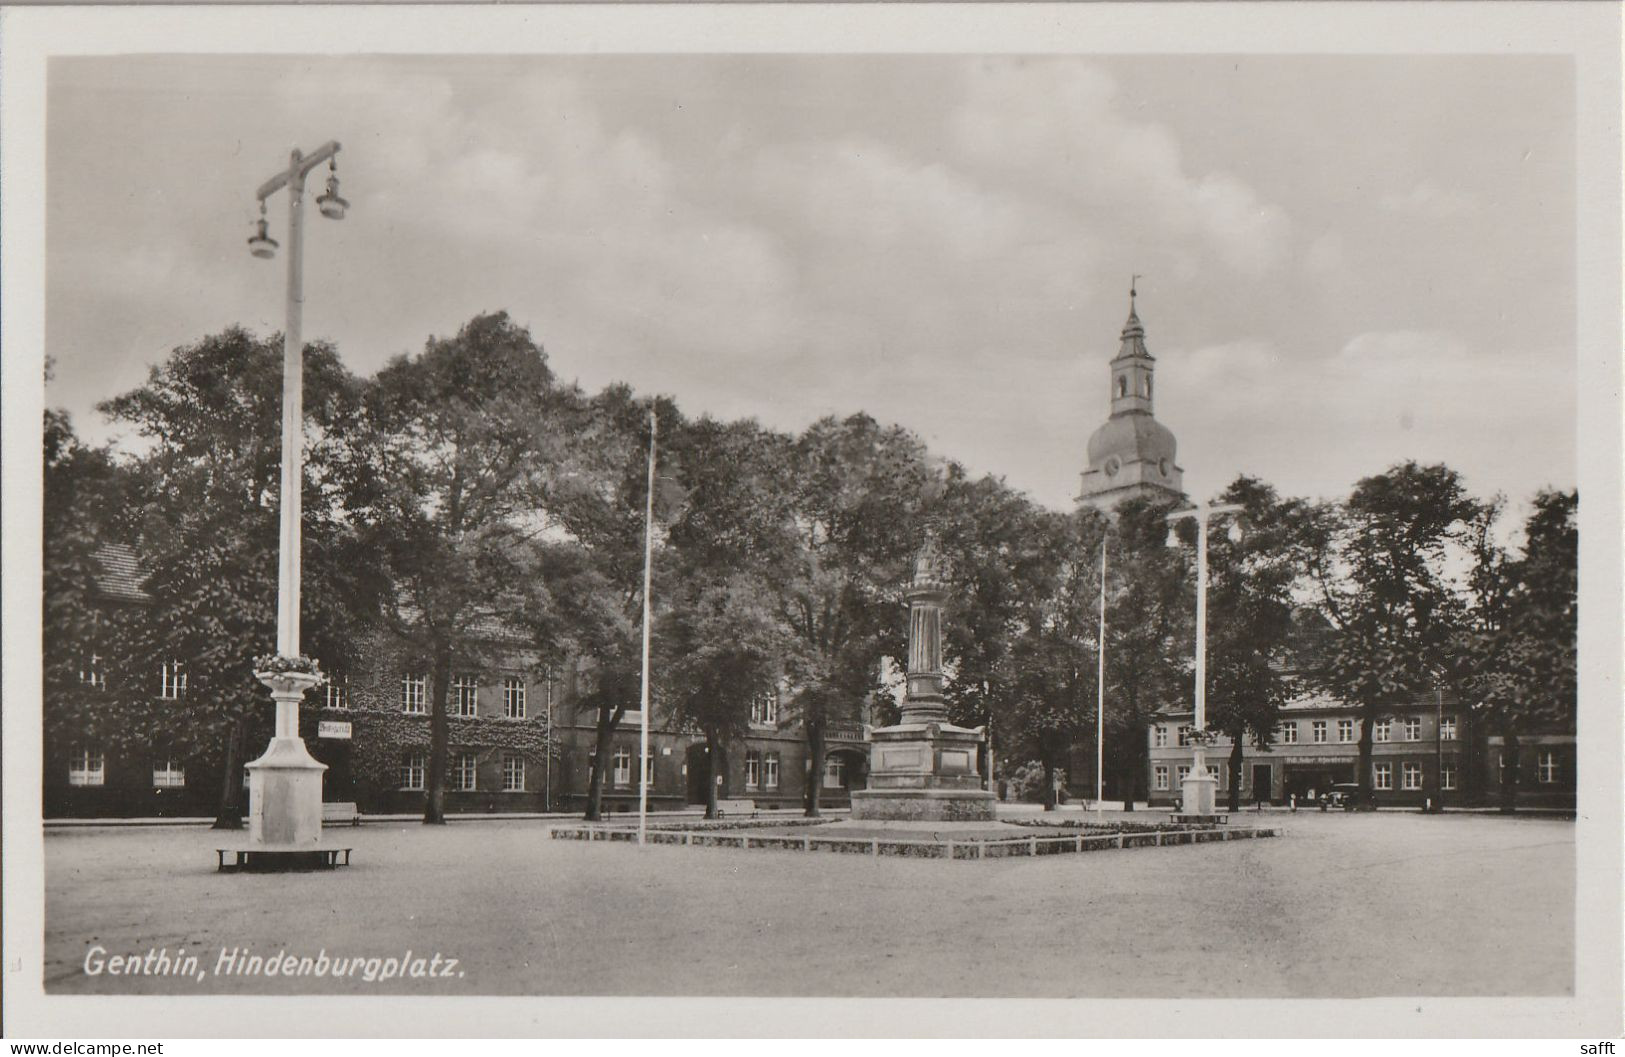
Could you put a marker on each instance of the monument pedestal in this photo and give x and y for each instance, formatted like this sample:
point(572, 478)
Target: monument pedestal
point(924, 772)
point(285, 796)
point(1199, 794)
point(923, 769)
point(284, 792)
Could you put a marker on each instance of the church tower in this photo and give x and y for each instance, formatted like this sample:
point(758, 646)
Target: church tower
point(1132, 454)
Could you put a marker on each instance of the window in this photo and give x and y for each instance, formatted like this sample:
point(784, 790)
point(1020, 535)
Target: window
point(513, 698)
point(1147, 387)
point(1159, 777)
point(1382, 729)
point(834, 773)
point(1411, 776)
point(1413, 728)
point(621, 763)
point(770, 770)
point(1159, 736)
point(1447, 776)
point(412, 771)
point(1447, 728)
point(1317, 730)
point(464, 772)
point(1184, 735)
point(1382, 775)
point(1546, 767)
point(412, 697)
point(1345, 730)
point(1180, 773)
point(649, 769)
point(465, 691)
point(91, 673)
point(513, 774)
point(764, 710)
point(87, 767)
point(1289, 733)
point(753, 770)
point(172, 680)
point(1122, 385)
point(338, 691)
point(168, 774)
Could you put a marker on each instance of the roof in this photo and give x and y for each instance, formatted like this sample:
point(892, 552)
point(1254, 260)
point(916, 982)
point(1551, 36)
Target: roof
point(120, 575)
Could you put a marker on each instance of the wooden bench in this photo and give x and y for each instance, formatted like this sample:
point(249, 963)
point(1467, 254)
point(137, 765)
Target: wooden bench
point(341, 811)
point(736, 806)
point(279, 857)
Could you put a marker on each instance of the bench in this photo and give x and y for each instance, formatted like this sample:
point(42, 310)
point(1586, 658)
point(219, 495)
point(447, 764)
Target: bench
point(268, 858)
point(341, 811)
point(736, 807)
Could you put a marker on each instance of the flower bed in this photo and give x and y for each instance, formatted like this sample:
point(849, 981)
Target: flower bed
point(1113, 836)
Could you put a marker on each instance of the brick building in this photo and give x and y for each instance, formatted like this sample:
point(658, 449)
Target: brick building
point(1423, 746)
point(518, 741)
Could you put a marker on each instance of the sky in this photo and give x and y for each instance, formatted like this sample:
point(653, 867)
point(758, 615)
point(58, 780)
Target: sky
point(1344, 261)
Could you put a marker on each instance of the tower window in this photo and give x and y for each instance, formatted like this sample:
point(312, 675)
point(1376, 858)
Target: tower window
point(1122, 385)
point(1148, 387)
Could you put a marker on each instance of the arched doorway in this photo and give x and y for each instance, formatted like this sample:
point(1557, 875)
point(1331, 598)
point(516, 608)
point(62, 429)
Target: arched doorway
point(697, 761)
point(845, 769)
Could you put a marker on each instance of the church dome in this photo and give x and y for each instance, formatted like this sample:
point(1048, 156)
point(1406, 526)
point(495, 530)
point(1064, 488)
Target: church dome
point(1133, 437)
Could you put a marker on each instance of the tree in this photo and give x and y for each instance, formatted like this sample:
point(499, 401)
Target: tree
point(1250, 618)
point(591, 609)
point(1150, 610)
point(85, 495)
point(202, 510)
point(1382, 565)
point(1517, 656)
point(1005, 557)
point(448, 486)
point(858, 490)
point(721, 649)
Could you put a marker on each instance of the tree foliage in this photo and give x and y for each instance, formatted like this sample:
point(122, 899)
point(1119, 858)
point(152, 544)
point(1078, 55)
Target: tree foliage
point(448, 476)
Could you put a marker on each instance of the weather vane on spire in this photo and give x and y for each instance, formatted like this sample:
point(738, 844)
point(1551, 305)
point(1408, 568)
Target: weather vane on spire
point(1133, 282)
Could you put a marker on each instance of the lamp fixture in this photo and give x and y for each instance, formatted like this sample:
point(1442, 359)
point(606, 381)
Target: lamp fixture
point(261, 244)
point(331, 205)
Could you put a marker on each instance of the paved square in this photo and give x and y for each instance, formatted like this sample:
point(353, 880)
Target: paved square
point(1340, 906)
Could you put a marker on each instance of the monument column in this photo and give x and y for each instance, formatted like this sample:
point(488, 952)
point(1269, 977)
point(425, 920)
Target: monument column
point(924, 768)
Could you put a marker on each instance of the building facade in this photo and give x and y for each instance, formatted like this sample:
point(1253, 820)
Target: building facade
point(1423, 747)
point(518, 739)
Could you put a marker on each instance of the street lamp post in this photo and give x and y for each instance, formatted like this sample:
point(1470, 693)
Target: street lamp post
point(1198, 789)
point(285, 784)
point(1100, 694)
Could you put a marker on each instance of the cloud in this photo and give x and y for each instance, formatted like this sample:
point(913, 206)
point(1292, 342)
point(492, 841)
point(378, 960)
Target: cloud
point(1325, 254)
point(1060, 125)
point(1429, 200)
point(1379, 398)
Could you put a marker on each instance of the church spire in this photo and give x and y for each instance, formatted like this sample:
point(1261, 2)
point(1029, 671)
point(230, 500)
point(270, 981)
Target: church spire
point(1133, 336)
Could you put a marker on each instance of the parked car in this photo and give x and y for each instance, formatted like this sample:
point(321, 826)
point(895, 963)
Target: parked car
point(1342, 795)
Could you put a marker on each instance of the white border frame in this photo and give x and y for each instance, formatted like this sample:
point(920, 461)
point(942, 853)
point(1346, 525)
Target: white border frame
point(1589, 33)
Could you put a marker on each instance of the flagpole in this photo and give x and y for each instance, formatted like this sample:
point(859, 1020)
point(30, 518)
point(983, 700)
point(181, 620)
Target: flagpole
point(643, 699)
point(1100, 702)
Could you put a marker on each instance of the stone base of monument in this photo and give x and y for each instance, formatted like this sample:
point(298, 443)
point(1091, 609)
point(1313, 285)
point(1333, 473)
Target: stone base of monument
point(284, 813)
point(1199, 795)
point(924, 772)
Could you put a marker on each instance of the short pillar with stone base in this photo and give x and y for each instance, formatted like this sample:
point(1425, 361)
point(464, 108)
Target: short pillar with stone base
point(1199, 794)
point(924, 768)
point(285, 790)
